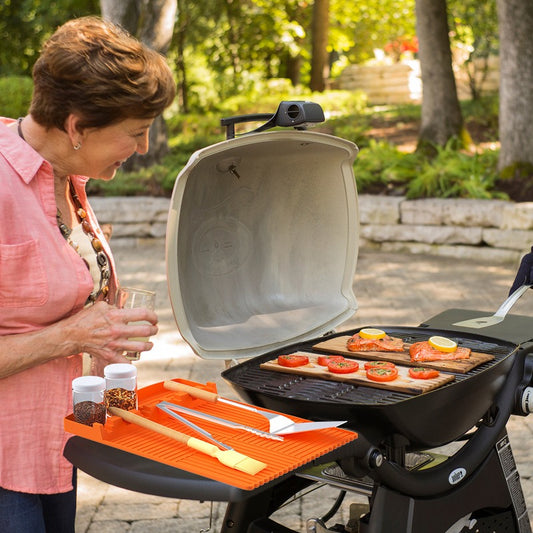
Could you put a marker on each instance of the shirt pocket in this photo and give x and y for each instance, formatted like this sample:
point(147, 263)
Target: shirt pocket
point(23, 281)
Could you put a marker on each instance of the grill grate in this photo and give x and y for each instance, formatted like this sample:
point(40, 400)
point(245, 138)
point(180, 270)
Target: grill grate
point(251, 378)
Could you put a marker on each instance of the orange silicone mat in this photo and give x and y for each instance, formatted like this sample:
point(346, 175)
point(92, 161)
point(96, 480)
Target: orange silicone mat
point(281, 457)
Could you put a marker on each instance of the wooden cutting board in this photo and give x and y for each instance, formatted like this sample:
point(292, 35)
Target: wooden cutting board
point(337, 345)
point(403, 383)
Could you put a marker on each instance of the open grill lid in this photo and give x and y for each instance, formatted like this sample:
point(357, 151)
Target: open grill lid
point(262, 242)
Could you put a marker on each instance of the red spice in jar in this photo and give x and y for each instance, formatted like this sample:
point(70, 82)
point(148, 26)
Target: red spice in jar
point(122, 398)
point(88, 413)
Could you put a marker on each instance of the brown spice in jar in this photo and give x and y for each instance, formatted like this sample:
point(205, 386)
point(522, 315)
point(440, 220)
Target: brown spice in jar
point(121, 398)
point(89, 412)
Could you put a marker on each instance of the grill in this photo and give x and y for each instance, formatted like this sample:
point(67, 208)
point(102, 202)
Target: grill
point(424, 420)
point(262, 242)
point(389, 465)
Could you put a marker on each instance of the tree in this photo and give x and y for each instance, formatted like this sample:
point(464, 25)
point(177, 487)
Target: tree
point(474, 34)
point(26, 24)
point(153, 23)
point(319, 45)
point(515, 19)
point(441, 113)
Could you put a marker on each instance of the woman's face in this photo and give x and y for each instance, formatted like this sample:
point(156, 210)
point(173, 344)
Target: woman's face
point(103, 150)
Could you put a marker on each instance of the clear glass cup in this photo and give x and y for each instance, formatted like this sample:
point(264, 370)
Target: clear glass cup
point(130, 297)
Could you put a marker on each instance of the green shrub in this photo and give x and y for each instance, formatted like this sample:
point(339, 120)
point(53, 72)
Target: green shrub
point(457, 174)
point(380, 166)
point(15, 95)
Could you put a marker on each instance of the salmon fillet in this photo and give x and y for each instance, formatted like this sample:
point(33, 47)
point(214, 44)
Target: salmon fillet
point(386, 344)
point(422, 351)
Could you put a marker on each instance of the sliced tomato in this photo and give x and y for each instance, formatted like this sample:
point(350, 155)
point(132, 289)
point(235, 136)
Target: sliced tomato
point(323, 360)
point(293, 360)
point(343, 367)
point(379, 364)
point(423, 373)
point(382, 374)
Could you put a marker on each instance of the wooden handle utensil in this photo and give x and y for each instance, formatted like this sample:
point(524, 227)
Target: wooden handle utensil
point(230, 458)
point(193, 391)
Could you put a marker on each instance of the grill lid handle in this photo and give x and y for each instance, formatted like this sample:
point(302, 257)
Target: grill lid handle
point(296, 114)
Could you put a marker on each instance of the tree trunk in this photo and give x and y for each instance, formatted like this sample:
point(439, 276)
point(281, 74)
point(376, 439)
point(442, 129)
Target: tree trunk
point(181, 68)
point(152, 22)
point(233, 13)
point(125, 13)
point(158, 24)
point(319, 35)
point(515, 19)
point(441, 113)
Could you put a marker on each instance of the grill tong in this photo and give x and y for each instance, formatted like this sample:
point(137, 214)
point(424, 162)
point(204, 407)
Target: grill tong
point(216, 420)
point(278, 424)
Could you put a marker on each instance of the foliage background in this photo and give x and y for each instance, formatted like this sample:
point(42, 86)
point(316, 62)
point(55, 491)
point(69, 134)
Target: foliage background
point(245, 57)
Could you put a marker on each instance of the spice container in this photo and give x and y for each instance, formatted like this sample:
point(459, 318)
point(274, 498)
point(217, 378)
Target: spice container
point(88, 400)
point(120, 386)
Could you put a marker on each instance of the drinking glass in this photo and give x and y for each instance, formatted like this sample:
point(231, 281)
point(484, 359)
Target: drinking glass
point(130, 297)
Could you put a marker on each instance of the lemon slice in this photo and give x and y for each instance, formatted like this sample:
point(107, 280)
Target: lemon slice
point(442, 344)
point(371, 333)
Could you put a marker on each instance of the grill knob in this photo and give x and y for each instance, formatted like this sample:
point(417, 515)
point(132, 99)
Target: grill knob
point(375, 460)
point(527, 400)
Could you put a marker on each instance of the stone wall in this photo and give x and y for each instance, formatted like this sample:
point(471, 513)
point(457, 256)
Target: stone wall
point(488, 230)
point(401, 83)
point(134, 219)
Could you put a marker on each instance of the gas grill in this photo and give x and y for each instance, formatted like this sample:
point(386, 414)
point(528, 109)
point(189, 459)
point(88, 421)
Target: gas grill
point(383, 415)
point(262, 241)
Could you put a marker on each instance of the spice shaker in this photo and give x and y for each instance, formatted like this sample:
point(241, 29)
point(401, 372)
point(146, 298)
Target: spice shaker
point(88, 400)
point(121, 386)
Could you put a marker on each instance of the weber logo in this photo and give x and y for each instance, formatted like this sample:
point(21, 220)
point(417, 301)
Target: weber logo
point(456, 476)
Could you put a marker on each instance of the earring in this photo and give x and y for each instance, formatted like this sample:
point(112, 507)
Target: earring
point(77, 146)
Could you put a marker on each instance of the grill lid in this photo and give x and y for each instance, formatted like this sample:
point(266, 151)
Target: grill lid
point(261, 242)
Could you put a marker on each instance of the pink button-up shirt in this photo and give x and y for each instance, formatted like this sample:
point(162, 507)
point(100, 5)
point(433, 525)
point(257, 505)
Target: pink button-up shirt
point(42, 280)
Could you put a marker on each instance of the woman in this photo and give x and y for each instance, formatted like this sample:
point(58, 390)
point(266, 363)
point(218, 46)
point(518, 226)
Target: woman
point(96, 92)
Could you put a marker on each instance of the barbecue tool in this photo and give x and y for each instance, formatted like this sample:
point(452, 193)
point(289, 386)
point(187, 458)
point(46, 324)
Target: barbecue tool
point(279, 424)
point(230, 458)
point(192, 425)
point(221, 421)
point(498, 316)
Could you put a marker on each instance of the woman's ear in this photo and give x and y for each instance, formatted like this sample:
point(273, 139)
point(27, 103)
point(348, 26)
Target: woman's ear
point(74, 130)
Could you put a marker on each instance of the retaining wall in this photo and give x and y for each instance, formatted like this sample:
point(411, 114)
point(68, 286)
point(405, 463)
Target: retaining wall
point(401, 83)
point(488, 230)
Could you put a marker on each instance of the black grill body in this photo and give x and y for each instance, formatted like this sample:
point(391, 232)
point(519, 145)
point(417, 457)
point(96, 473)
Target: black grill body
point(419, 421)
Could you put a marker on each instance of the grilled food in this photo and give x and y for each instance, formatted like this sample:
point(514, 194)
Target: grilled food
point(424, 351)
point(374, 340)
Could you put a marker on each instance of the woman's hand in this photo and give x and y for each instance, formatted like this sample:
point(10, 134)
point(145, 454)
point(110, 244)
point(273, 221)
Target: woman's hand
point(101, 330)
point(106, 332)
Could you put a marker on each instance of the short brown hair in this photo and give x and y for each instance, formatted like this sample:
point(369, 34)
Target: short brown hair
point(98, 70)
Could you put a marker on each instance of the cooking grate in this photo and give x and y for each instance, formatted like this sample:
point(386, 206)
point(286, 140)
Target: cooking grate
point(252, 379)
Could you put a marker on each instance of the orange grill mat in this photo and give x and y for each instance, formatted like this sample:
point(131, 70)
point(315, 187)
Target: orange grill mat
point(281, 457)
